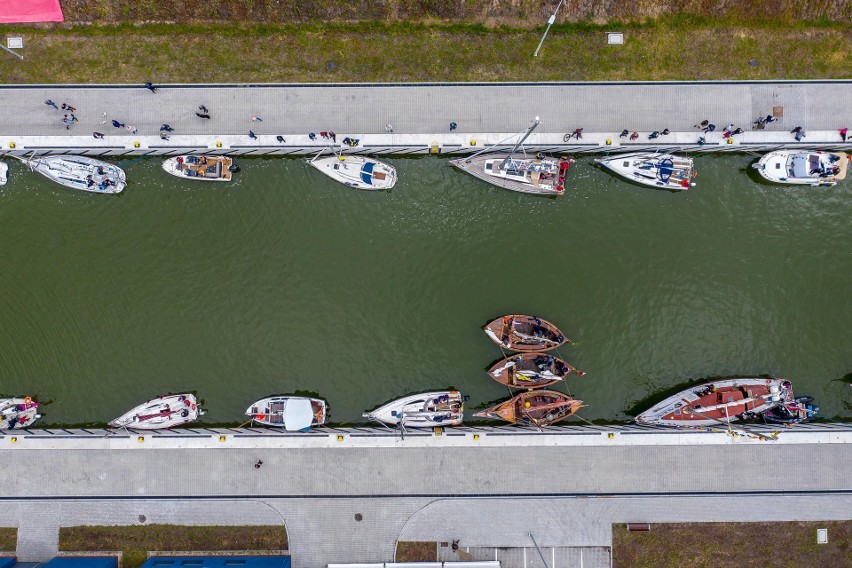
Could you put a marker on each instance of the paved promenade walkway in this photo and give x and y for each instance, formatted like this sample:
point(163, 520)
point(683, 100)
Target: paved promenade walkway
point(420, 116)
point(487, 487)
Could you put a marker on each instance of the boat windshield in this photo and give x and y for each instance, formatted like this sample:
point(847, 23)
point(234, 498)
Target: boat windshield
point(367, 173)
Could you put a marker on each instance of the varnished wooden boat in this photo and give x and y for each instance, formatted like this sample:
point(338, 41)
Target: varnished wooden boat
point(534, 408)
point(525, 333)
point(531, 370)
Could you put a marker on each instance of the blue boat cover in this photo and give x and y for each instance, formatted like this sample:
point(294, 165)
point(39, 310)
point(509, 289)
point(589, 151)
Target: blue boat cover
point(367, 173)
point(664, 170)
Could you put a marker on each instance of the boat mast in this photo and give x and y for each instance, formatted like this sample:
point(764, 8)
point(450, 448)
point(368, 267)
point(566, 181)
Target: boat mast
point(535, 123)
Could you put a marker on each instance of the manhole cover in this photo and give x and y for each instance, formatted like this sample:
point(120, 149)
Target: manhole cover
point(752, 63)
point(358, 516)
point(142, 518)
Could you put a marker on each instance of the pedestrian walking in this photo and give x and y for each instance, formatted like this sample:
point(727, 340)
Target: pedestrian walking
point(312, 136)
point(729, 127)
point(258, 463)
point(203, 109)
point(49, 102)
point(151, 87)
point(163, 135)
point(702, 141)
point(453, 126)
point(737, 131)
point(709, 128)
point(634, 136)
point(67, 121)
point(97, 135)
point(759, 124)
point(255, 118)
point(167, 128)
point(202, 115)
point(252, 135)
point(333, 136)
point(324, 134)
point(74, 118)
point(131, 129)
point(653, 135)
point(624, 133)
point(280, 139)
point(843, 132)
point(665, 132)
point(799, 133)
point(770, 118)
point(388, 127)
point(69, 108)
point(702, 125)
point(727, 134)
point(118, 124)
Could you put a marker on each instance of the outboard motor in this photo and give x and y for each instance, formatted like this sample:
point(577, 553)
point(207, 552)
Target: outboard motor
point(233, 168)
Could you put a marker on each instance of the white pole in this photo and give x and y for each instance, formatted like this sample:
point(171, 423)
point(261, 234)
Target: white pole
point(550, 22)
point(18, 55)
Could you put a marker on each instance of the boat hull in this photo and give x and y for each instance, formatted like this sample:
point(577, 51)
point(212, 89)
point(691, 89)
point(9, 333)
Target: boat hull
point(200, 168)
point(160, 413)
point(74, 172)
point(425, 410)
point(273, 411)
point(794, 167)
point(530, 370)
point(534, 408)
point(722, 401)
point(524, 333)
point(4, 173)
point(359, 172)
point(484, 167)
point(662, 171)
point(16, 413)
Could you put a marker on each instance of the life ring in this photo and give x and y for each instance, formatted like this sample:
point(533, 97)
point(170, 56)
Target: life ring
point(563, 165)
point(684, 183)
point(28, 400)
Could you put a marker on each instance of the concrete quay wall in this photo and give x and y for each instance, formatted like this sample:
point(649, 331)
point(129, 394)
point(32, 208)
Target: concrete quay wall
point(486, 114)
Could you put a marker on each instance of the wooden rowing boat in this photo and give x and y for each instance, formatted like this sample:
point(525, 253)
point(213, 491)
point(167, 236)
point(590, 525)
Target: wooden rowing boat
point(525, 333)
point(294, 413)
point(534, 408)
point(531, 370)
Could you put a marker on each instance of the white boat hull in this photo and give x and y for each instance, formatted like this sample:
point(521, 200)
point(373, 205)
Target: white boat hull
point(17, 413)
point(159, 413)
point(662, 171)
point(798, 167)
point(293, 413)
point(550, 180)
point(357, 171)
point(199, 168)
point(75, 172)
point(426, 410)
point(4, 173)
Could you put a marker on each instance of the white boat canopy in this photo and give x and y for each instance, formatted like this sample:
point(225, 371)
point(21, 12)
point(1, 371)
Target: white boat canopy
point(299, 414)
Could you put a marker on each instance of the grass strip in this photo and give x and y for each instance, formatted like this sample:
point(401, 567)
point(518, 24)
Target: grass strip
point(732, 545)
point(135, 541)
point(411, 551)
point(8, 539)
point(409, 52)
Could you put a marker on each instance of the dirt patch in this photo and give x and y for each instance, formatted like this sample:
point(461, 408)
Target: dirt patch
point(135, 541)
point(732, 545)
point(8, 539)
point(416, 552)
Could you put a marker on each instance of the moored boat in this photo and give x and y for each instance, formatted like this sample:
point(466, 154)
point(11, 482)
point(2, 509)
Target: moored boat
point(531, 370)
point(540, 175)
point(165, 411)
point(525, 333)
point(202, 168)
point(801, 410)
point(293, 413)
point(80, 172)
point(425, 410)
point(18, 413)
point(802, 167)
point(4, 173)
point(356, 171)
point(721, 401)
point(663, 171)
point(534, 408)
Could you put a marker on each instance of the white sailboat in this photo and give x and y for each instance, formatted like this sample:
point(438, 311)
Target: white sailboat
point(356, 171)
point(80, 172)
point(426, 410)
point(798, 167)
point(540, 175)
point(18, 413)
point(665, 171)
point(161, 412)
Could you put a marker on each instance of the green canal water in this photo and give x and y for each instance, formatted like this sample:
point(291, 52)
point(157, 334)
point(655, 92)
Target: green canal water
point(285, 281)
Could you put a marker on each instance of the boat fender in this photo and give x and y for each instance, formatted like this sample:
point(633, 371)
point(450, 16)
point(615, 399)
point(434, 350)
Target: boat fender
point(684, 183)
point(193, 407)
point(560, 189)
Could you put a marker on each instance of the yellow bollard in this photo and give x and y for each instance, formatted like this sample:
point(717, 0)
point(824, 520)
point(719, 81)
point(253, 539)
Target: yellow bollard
point(11, 144)
point(339, 438)
point(141, 439)
point(221, 438)
point(476, 436)
point(730, 140)
point(13, 439)
point(218, 144)
point(610, 435)
point(136, 144)
point(609, 141)
point(473, 142)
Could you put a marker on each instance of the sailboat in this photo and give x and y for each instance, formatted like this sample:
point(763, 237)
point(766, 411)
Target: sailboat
point(665, 171)
point(80, 172)
point(356, 171)
point(540, 175)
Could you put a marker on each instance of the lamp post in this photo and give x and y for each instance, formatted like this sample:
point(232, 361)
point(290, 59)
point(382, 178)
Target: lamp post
point(549, 23)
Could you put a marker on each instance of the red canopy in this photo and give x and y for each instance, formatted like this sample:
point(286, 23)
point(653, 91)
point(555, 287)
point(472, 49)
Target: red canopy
point(21, 11)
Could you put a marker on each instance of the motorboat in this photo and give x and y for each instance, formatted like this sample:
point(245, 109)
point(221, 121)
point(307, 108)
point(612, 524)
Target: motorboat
point(162, 412)
point(664, 171)
point(540, 175)
point(722, 401)
point(798, 167)
point(4, 173)
point(18, 413)
point(531, 370)
point(524, 333)
point(425, 410)
point(80, 172)
point(801, 410)
point(356, 171)
point(294, 413)
point(203, 168)
point(534, 408)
